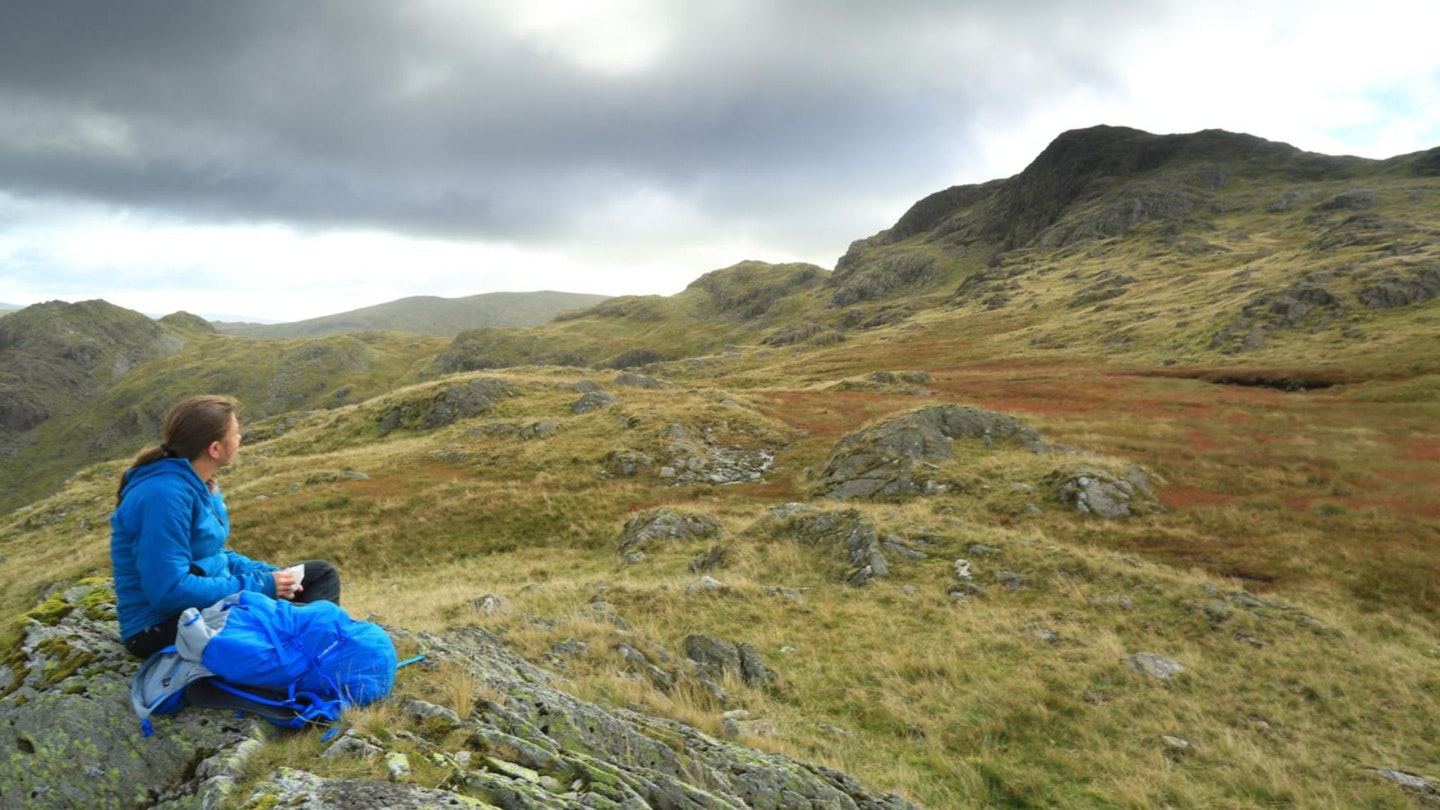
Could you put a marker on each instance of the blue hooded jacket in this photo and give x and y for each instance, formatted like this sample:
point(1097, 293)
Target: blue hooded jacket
point(167, 545)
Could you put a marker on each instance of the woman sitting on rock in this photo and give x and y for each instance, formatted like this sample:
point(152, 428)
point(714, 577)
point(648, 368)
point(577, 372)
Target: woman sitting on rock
point(169, 528)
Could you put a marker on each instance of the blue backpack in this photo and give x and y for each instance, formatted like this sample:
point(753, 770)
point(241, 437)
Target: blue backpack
point(291, 664)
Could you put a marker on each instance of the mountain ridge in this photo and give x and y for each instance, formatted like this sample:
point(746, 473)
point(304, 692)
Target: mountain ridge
point(429, 315)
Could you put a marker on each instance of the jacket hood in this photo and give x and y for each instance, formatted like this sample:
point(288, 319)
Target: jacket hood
point(178, 468)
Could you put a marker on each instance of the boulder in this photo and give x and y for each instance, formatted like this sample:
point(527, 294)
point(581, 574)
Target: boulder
point(1103, 493)
point(1155, 666)
point(594, 400)
point(663, 524)
point(447, 405)
point(895, 458)
point(847, 533)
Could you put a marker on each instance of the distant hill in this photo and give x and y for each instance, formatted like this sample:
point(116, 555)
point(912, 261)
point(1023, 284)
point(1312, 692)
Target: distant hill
point(429, 315)
point(90, 380)
point(6, 309)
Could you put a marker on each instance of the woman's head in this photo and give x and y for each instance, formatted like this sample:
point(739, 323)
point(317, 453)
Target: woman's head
point(200, 428)
point(195, 424)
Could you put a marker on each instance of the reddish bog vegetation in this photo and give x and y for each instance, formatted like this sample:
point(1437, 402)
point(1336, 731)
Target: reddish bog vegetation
point(1273, 485)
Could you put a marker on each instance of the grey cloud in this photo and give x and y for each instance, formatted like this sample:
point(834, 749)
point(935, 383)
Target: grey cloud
point(403, 116)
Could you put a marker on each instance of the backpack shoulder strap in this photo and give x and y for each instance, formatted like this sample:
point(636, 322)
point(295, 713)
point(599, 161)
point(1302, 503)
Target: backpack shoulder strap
point(159, 685)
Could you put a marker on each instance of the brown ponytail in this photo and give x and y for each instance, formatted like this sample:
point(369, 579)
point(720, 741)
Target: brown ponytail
point(189, 430)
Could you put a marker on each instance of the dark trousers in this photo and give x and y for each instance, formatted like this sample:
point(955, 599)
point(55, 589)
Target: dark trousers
point(322, 583)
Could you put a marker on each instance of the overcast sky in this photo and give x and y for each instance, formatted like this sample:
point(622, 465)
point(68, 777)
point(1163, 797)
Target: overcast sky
point(283, 160)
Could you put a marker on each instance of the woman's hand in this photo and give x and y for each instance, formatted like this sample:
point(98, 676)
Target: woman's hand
point(285, 585)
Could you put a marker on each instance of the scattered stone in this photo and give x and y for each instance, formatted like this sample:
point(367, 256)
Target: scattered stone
point(1155, 666)
point(710, 558)
point(606, 612)
point(450, 453)
point(750, 728)
point(1045, 634)
point(634, 380)
point(398, 766)
point(752, 669)
point(570, 647)
point(1246, 600)
point(847, 531)
point(705, 583)
point(351, 744)
point(836, 730)
point(1214, 611)
point(594, 401)
point(543, 429)
point(713, 657)
point(982, 550)
point(1098, 492)
point(639, 662)
point(421, 710)
point(1427, 792)
point(356, 475)
point(663, 524)
point(962, 570)
point(625, 463)
point(894, 545)
point(1114, 600)
point(490, 605)
point(786, 593)
point(1251, 640)
point(1013, 581)
point(958, 594)
point(1176, 747)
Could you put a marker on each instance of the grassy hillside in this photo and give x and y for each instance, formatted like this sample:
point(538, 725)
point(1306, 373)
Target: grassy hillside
point(429, 315)
point(1260, 340)
point(63, 413)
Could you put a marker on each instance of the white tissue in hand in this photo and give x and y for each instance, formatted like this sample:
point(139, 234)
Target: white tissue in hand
point(298, 571)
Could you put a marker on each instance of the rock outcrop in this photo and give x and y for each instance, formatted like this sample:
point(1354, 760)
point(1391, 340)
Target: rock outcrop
point(895, 458)
point(447, 405)
point(847, 534)
point(663, 524)
point(71, 740)
point(1095, 491)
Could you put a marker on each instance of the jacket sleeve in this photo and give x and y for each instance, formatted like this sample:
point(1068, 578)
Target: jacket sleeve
point(163, 558)
point(250, 570)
